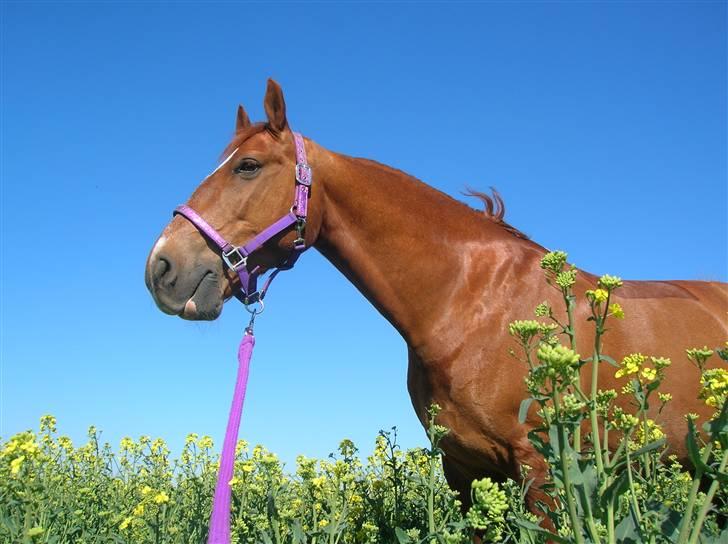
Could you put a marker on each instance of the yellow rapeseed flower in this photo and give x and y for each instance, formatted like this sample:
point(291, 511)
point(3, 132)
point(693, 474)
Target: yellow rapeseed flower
point(600, 295)
point(205, 443)
point(138, 510)
point(616, 311)
point(714, 386)
point(161, 498)
point(653, 432)
point(648, 373)
point(631, 364)
point(15, 464)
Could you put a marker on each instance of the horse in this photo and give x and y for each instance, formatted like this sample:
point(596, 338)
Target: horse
point(449, 279)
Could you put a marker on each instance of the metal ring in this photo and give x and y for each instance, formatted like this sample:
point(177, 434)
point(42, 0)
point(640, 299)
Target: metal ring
point(255, 310)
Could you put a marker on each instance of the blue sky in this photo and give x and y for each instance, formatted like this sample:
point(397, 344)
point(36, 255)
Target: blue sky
point(603, 125)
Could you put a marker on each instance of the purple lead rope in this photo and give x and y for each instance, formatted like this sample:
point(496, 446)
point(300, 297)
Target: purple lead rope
point(220, 517)
point(236, 257)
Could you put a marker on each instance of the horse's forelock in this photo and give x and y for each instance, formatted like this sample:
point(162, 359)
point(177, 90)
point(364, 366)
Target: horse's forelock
point(241, 136)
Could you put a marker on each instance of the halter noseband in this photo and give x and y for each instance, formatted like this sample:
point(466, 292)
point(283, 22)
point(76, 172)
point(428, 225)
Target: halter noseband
point(236, 257)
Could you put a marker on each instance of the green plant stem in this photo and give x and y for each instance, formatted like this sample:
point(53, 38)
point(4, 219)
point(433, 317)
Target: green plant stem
point(632, 493)
point(611, 539)
point(568, 488)
point(571, 332)
point(431, 477)
point(431, 498)
point(597, 446)
point(698, 525)
point(685, 526)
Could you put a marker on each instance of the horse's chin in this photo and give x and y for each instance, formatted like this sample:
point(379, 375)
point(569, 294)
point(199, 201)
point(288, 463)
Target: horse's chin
point(206, 302)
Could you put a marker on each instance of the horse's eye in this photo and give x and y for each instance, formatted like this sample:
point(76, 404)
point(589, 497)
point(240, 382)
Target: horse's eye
point(248, 167)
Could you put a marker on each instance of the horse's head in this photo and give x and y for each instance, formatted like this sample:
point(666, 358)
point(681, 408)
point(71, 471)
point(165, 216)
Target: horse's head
point(251, 189)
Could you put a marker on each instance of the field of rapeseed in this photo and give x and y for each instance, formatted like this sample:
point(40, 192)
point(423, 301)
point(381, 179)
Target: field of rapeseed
point(54, 492)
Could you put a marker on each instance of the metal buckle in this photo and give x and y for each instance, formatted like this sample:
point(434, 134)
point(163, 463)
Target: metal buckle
point(303, 173)
point(234, 259)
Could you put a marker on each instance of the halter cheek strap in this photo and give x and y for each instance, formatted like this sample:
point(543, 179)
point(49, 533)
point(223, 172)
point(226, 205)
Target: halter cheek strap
point(236, 257)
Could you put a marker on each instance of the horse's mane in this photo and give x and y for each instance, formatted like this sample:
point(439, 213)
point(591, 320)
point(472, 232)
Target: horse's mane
point(495, 209)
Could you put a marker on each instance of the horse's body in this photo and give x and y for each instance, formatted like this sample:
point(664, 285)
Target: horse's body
point(448, 278)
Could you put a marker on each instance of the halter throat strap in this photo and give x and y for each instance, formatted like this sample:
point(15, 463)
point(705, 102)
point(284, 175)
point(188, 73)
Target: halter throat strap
point(236, 257)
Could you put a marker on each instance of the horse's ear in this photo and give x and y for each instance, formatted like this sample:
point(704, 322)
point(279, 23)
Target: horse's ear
point(275, 107)
point(243, 121)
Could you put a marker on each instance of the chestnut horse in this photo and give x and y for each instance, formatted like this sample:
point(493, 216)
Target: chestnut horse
point(447, 277)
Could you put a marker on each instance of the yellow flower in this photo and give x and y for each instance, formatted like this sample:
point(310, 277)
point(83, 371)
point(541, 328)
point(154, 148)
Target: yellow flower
point(205, 443)
point(715, 386)
point(323, 523)
point(653, 432)
point(138, 510)
point(616, 311)
point(318, 481)
point(631, 364)
point(30, 447)
point(648, 373)
point(35, 531)
point(15, 464)
point(622, 420)
point(146, 490)
point(600, 295)
point(161, 498)
point(241, 446)
point(127, 521)
point(65, 443)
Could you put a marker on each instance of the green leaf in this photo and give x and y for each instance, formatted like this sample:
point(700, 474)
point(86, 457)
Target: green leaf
point(627, 532)
point(402, 537)
point(608, 359)
point(614, 490)
point(523, 411)
point(657, 444)
point(533, 527)
point(694, 449)
point(298, 536)
point(670, 526)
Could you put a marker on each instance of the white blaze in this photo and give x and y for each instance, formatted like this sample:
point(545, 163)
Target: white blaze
point(223, 162)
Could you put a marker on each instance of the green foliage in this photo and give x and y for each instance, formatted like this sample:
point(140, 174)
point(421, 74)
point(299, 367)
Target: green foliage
point(54, 492)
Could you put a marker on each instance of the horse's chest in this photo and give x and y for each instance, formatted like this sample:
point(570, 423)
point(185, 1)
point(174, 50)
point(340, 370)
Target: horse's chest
point(472, 402)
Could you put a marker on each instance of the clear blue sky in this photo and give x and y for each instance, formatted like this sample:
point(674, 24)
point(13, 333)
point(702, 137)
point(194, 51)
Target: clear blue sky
point(113, 113)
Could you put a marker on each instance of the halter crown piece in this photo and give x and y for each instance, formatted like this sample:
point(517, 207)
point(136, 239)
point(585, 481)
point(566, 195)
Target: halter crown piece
point(237, 258)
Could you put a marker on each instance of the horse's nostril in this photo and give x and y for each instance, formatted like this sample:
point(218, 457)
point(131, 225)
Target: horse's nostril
point(163, 273)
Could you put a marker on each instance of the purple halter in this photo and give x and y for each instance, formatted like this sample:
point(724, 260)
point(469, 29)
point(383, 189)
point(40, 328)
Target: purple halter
point(236, 257)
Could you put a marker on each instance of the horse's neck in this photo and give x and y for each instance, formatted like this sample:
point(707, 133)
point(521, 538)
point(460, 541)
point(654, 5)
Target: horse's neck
point(403, 244)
